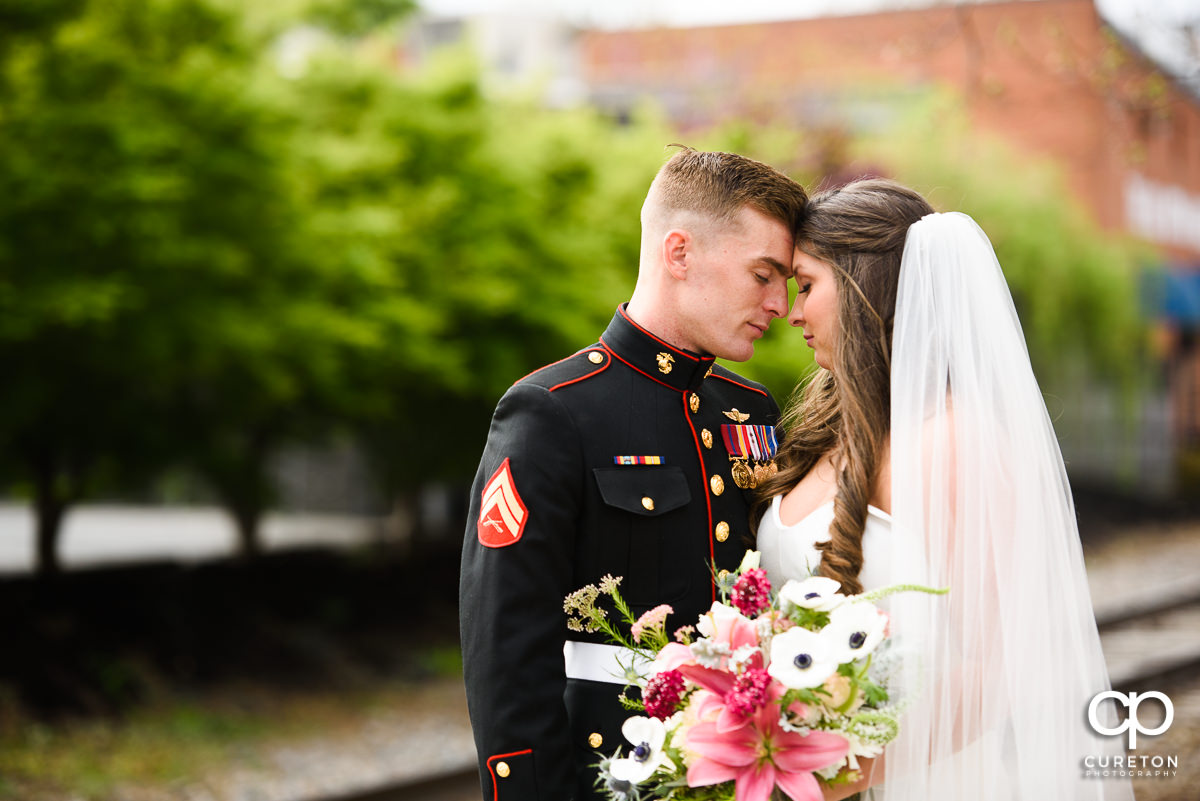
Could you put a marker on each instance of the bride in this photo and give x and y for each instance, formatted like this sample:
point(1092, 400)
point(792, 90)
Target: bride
point(921, 451)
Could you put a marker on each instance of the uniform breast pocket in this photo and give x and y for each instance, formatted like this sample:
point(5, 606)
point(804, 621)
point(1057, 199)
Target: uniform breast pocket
point(648, 506)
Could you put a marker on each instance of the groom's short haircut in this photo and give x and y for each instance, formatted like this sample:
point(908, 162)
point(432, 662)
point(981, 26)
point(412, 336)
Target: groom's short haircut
point(717, 186)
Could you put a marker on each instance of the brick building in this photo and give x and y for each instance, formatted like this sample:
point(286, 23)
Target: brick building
point(1051, 77)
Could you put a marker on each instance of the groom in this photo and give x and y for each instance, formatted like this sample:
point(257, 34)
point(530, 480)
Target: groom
point(613, 461)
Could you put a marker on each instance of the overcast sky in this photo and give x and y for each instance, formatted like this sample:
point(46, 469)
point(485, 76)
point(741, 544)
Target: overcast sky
point(1155, 24)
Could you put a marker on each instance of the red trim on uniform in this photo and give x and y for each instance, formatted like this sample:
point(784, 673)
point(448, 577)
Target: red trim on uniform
point(740, 384)
point(548, 366)
point(597, 371)
point(640, 370)
point(712, 551)
point(495, 789)
point(662, 342)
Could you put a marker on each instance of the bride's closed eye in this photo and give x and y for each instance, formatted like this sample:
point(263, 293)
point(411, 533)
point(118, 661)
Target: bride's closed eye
point(805, 287)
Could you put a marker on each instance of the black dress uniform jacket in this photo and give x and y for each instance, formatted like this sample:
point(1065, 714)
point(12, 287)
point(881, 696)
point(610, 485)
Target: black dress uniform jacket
point(551, 511)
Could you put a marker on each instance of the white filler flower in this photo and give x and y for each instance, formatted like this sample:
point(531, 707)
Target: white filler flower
point(647, 736)
point(816, 592)
point(801, 658)
point(854, 630)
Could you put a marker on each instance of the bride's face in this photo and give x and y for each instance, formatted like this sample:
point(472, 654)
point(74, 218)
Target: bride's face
point(815, 309)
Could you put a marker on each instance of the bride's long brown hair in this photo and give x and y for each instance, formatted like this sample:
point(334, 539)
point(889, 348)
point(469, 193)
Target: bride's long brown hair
point(859, 230)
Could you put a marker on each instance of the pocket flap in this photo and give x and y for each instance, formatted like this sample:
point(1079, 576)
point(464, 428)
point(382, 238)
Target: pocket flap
point(649, 490)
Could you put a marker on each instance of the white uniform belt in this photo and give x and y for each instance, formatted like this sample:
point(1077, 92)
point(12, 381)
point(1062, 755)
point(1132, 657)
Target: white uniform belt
point(596, 662)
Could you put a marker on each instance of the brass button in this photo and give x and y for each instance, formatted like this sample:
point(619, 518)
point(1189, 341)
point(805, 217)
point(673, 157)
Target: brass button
point(648, 502)
point(722, 532)
point(595, 739)
point(717, 484)
point(706, 435)
point(694, 403)
point(594, 357)
point(502, 770)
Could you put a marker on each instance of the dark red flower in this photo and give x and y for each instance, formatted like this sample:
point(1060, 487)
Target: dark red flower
point(663, 693)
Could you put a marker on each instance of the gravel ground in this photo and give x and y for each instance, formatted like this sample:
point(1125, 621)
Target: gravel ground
point(425, 735)
point(1181, 741)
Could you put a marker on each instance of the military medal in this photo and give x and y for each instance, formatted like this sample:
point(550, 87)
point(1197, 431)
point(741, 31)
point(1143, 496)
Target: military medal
point(747, 444)
point(743, 476)
point(739, 453)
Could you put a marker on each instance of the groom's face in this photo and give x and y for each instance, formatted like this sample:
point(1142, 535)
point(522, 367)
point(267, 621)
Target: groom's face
point(737, 284)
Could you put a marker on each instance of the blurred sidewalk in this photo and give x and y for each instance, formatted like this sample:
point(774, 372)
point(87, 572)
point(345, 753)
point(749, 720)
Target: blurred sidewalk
point(95, 534)
point(1143, 566)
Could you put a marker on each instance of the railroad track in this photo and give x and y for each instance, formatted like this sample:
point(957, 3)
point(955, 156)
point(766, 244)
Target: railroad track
point(1154, 641)
point(1149, 643)
point(456, 785)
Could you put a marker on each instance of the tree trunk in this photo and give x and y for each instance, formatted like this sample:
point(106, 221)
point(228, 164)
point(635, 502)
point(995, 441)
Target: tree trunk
point(50, 507)
point(247, 518)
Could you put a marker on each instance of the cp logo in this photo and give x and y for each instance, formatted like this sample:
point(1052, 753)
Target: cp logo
point(1131, 723)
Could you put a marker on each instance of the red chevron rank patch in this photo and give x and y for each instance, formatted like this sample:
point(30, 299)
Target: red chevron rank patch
point(502, 514)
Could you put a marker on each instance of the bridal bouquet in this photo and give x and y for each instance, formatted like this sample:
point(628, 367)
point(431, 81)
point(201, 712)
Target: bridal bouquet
point(767, 690)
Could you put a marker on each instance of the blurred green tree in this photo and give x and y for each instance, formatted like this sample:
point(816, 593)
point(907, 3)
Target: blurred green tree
point(160, 298)
point(202, 259)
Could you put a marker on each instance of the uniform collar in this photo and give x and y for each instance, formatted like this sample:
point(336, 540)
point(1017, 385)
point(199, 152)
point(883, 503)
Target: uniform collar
point(654, 357)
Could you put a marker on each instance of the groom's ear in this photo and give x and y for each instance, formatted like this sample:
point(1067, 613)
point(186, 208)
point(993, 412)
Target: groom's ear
point(677, 246)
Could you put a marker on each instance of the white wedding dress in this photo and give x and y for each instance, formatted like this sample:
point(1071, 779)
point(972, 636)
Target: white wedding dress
point(790, 552)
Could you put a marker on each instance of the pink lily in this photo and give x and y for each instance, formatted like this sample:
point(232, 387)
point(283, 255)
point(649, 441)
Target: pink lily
point(760, 754)
point(726, 625)
point(720, 683)
point(672, 656)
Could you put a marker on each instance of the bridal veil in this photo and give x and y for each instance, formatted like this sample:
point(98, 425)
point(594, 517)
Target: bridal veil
point(998, 674)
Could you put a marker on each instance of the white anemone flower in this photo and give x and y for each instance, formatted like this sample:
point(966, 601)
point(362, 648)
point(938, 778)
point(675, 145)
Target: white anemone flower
point(854, 630)
point(647, 735)
point(816, 592)
point(801, 658)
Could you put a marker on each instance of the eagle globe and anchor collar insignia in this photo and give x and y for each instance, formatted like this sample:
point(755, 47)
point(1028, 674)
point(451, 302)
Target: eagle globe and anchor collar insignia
point(653, 357)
